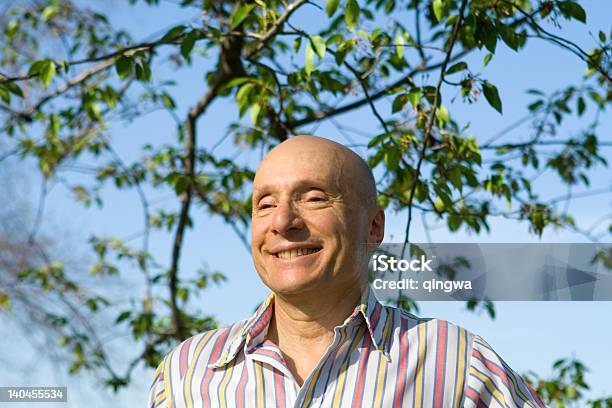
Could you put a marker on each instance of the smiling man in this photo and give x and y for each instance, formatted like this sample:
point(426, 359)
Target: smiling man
point(321, 338)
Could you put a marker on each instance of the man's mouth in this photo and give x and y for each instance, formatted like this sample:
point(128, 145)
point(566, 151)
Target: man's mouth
point(294, 253)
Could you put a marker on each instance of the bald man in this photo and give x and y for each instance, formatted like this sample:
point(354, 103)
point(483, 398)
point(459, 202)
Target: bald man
point(322, 338)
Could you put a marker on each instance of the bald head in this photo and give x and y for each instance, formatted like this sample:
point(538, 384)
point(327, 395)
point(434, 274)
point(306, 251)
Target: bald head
point(314, 218)
point(352, 173)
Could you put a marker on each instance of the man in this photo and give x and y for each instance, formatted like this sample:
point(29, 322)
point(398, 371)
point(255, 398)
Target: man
point(321, 338)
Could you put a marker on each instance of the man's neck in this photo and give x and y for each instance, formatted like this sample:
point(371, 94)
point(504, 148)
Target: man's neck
point(303, 328)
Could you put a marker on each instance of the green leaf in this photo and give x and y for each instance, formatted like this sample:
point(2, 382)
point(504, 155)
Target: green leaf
point(532, 91)
point(319, 45)
point(187, 44)
point(124, 66)
point(458, 67)
point(123, 315)
point(241, 14)
point(168, 101)
point(485, 34)
point(487, 59)
point(414, 97)
point(255, 109)
point(11, 28)
point(442, 114)
point(243, 93)
point(430, 93)
point(421, 192)
point(352, 14)
point(48, 12)
point(54, 124)
point(581, 106)
point(173, 33)
point(492, 96)
point(13, 88)
point(399, 102)
point(4, 94)
point(377, 140)
point(508, 35)
point(602, 36)
point(238, 81)
point(392, 157)
point(44, 70)
point(5, 302)
point(399, 46)
point(571, 9)
point(534, 106)
point(91, 305)
point(331, 7)
point(439, 9)
point(454, 175)
point(65, 65)
point(597, 98)
point(143, 71)
point(242, 97)
point(454, 222)
point(47, 72)
point(309, 55)
point(297, 43)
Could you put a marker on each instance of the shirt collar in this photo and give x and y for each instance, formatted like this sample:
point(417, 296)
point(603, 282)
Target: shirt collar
point(377, 318)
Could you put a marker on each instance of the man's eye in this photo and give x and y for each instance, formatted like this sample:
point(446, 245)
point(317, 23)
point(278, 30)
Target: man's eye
point(316, 199)
point(264, 206)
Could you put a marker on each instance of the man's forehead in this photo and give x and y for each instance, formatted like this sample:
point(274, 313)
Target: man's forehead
point(301, 159)
point(311, 159)
point(299, 175)
point(300, 151)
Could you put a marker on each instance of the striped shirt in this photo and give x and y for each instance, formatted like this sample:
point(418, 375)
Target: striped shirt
point(380, 357)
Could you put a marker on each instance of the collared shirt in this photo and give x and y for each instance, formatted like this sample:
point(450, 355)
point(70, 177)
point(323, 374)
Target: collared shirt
point(380, 357)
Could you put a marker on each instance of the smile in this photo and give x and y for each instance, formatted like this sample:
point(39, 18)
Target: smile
point(294, 253)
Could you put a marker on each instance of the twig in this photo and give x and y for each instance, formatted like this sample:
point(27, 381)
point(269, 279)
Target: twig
point(539, 143)
point(432, 117)
point(319, 116)
point(562, 42)
point(146, 220)
point(276, 27)
point(39, 211)
point(417, 19)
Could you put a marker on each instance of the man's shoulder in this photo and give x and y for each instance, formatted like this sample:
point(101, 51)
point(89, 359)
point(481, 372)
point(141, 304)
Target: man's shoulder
point(206, 346)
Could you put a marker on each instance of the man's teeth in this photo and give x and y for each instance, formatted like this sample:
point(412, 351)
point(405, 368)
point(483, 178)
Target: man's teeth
point(296, 252)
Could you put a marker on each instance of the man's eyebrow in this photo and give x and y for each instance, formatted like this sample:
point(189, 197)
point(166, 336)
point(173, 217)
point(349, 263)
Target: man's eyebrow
point(260, 191)
point(304, 185)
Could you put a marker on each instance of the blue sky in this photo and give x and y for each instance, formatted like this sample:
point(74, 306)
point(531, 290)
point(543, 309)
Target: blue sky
point(528, 335)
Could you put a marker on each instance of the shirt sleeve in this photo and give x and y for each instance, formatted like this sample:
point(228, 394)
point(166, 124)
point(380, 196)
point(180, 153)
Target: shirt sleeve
point(157, 392)
point(492, 383)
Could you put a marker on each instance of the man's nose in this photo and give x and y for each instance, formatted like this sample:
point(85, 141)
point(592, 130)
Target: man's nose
point(286, 218)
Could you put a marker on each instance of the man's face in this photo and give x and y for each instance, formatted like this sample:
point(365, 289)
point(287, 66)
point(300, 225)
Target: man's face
point(308, 228)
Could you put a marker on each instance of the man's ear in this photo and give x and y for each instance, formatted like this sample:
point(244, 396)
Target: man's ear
point(377, 227)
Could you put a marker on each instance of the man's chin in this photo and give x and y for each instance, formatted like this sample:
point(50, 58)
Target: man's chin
point(293, 287)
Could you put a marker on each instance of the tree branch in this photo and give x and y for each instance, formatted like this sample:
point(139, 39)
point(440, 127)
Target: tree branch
point(538, 143)
point(432, 117)
point(276, 27)
point(319, 116)
point(229, 66)
point(562, 42)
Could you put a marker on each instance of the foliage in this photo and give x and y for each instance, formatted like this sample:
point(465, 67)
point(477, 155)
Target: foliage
point(567, 387)
point(67, 74)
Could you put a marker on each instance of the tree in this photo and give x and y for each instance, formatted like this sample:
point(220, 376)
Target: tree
point(68, 73)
